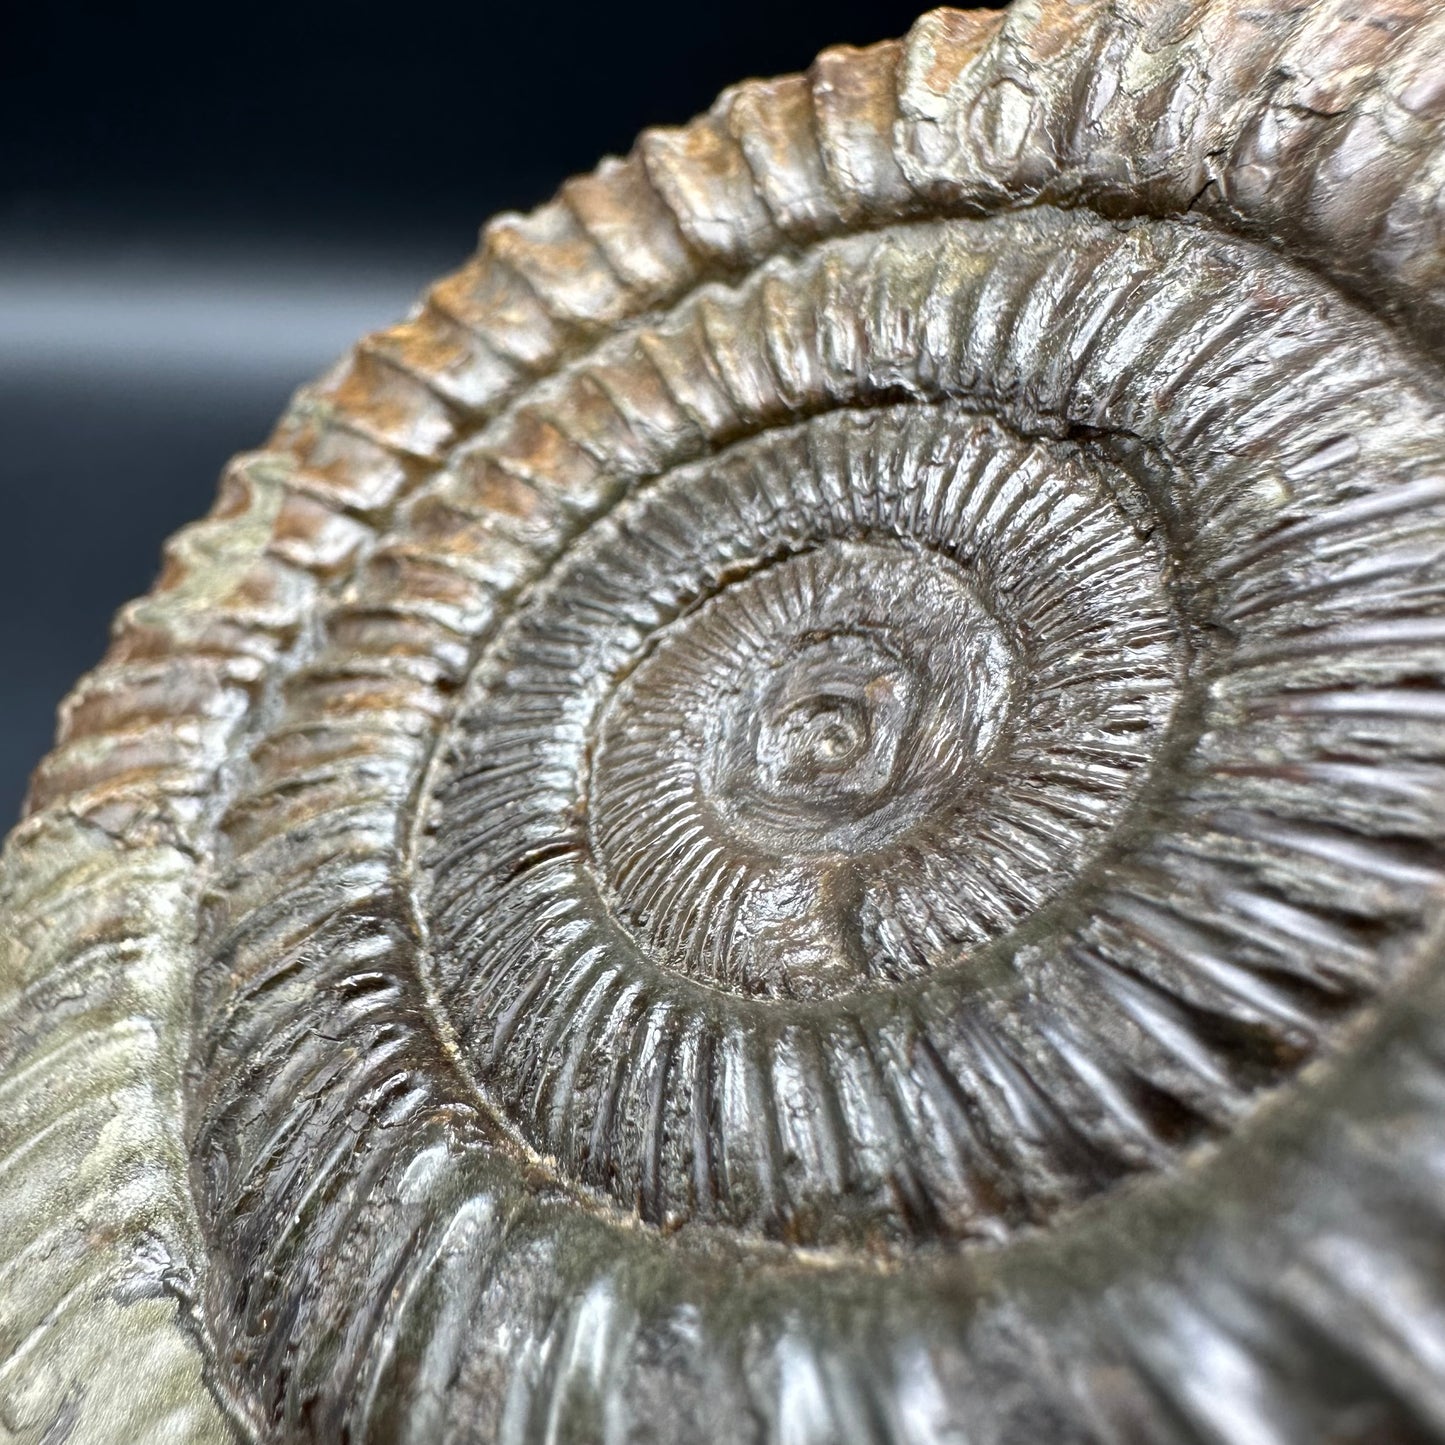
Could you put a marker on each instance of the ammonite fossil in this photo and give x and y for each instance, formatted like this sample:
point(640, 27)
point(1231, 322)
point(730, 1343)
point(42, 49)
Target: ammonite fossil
point(809, 808)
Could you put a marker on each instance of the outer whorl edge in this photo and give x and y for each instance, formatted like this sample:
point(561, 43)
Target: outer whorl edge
point(807, 808)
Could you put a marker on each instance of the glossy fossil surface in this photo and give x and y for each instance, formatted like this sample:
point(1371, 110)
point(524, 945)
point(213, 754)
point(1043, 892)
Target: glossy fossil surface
point(809, 808)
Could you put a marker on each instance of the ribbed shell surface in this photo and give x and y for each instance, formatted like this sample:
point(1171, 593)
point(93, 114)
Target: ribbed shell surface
point(371, 1066)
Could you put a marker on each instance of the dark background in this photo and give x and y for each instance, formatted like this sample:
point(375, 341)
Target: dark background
point(201, 206)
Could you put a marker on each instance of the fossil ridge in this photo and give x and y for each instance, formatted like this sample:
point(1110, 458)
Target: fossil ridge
point(808, 808)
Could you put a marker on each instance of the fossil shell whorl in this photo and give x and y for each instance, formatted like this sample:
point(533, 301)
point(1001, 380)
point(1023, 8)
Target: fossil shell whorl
point(810, 807)
point(818, 717)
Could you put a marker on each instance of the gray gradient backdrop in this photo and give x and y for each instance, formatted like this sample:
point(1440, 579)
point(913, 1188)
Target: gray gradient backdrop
point(198, 211)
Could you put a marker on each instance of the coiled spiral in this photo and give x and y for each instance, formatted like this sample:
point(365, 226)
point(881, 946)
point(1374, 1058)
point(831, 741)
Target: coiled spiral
point(809, 808)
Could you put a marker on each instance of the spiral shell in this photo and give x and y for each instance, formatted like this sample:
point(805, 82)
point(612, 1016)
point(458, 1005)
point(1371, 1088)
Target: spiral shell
point(809, 808)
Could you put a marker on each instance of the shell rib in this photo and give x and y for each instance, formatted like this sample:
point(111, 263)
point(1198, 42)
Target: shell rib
point(808, 808)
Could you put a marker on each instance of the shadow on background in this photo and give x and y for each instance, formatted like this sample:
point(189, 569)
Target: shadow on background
point(202, 208)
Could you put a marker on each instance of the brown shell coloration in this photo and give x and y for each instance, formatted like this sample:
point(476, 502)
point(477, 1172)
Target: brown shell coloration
point(810, 808)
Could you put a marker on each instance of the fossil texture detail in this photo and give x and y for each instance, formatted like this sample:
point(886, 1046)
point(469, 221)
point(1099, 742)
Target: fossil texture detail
point(810, 808)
